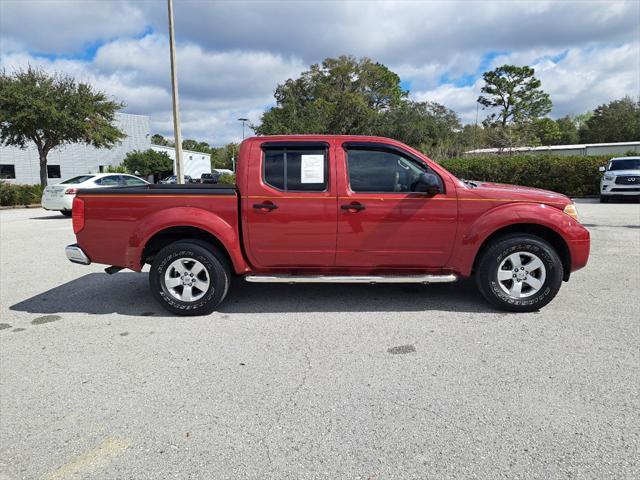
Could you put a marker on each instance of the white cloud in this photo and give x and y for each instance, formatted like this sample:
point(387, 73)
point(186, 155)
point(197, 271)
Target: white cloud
point(232, 55)
point(577, 82)
point(216, 88)
point(460, 99)
point(66, 26)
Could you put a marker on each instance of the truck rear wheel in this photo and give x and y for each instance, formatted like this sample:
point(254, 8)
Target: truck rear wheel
point(519, 273)
point(188, 278)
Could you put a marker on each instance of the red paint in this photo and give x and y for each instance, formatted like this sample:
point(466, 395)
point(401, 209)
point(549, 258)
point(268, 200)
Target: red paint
point(309, 231)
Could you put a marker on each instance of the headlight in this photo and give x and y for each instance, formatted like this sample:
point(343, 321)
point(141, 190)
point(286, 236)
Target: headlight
point(609, 177)
point(571, 211)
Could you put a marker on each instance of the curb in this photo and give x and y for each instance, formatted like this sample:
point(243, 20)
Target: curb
point(10, 207)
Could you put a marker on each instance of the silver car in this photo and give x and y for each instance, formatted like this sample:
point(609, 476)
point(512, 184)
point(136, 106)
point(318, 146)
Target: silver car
point(621, 178)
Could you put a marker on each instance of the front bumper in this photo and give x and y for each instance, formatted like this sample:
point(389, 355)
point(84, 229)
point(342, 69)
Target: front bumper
point(612, 189)
point(76, 255)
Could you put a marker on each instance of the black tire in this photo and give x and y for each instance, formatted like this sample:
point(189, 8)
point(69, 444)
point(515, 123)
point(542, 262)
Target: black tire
point(66, 213)
point(604, 199)
point(217, 271)
point(494, 255)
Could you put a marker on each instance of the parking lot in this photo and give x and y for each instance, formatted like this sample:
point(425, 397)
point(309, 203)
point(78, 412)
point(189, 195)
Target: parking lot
point(321, 381)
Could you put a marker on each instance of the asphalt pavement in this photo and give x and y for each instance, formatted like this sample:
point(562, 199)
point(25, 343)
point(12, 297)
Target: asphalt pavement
point(316, 381)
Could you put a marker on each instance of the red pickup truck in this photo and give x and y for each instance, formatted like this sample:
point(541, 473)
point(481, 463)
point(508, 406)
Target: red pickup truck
point(325, 208)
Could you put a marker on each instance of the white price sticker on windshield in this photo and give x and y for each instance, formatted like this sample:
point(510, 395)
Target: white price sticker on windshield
point(312, 169)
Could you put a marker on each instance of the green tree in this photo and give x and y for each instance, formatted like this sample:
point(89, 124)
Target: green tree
point(547, 131)
point(581, 119)
point(469, 137)
point(568, 130)
point(222, 157)
point(53, 110)
point(428, 125)
point(517, 100)
point(116, 169)
point(515, 93)
point(196, 146)
point(339, 96)
point(157, 139)
point(617, 121)
point(147, 162)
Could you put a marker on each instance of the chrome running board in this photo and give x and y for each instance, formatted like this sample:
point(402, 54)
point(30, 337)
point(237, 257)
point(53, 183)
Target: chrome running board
point(350, 278)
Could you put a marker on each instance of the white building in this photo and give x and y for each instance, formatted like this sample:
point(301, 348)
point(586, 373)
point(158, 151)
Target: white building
point(22, 166)
point(617, 148)
point(195, 163)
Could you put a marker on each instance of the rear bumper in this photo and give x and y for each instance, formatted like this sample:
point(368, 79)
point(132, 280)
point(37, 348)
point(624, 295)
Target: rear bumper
point(76, 255)
point(57, 203)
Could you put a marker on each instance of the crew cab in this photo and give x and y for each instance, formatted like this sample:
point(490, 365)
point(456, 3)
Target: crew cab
point(338, 209)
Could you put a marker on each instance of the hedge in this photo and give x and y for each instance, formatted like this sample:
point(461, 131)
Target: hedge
point(574, 176)
point(227, 179)
point(11, 195)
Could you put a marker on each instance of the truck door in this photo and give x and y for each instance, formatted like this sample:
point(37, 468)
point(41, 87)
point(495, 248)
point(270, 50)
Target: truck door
point(290, 210)
point(382, 221)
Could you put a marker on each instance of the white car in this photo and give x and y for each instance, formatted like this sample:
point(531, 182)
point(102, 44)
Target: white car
point(60, 196)
point(223, 171)
point(621, 178)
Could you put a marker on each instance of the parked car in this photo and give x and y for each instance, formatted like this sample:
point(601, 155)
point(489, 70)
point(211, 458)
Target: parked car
point(60, 196)
point(334, 209)
point(172, 180)
point(621, 178)
point(222, 171)
point(209, 178)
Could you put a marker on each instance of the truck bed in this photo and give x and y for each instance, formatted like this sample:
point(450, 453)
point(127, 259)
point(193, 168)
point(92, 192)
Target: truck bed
point(120, 221)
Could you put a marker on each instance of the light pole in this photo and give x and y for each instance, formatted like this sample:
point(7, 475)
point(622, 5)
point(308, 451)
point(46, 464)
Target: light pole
point(176, 105)
point(243, 120)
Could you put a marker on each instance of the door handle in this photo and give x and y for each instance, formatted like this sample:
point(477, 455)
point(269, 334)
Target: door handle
point(353, 206)
point(265, 206)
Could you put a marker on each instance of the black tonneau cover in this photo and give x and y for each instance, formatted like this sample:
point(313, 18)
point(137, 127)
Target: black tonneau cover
point(163, 189)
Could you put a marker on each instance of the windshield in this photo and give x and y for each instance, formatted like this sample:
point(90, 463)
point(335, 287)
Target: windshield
point(625, 164)
point(78, 179)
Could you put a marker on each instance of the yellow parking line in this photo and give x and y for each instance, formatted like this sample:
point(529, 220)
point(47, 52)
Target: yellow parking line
point(90, 460)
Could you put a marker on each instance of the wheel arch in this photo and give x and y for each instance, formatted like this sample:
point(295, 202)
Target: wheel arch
point(184, 223)
point(535, 229)
point(170, 235)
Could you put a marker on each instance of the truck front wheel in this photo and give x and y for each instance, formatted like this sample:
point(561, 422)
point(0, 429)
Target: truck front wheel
point(520, 273)
point(187, 278)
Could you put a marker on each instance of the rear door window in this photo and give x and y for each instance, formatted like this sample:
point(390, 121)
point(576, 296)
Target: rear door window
point(109, 181)
point(133, 181)
point(296, 169)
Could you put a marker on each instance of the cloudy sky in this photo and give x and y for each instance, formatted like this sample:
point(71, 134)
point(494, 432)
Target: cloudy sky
point(232, 54)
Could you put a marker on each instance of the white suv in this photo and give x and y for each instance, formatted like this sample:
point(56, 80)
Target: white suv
point(60, 196)
point(621, 178)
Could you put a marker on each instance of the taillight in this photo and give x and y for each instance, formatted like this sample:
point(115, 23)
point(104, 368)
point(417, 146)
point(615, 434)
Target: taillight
point(78, 215)
point(70, 191)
